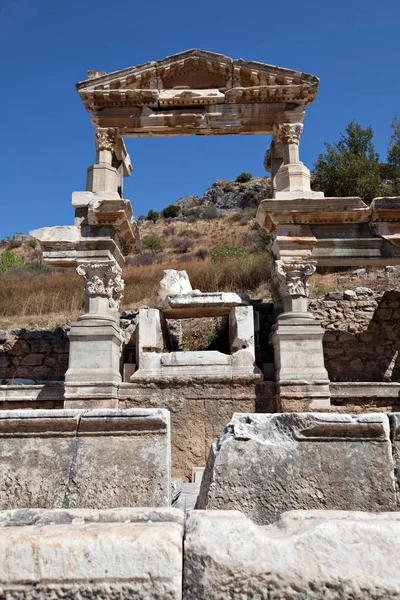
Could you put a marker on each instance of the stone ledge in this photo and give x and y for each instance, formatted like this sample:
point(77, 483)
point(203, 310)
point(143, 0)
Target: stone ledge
point(307, 554)
point(124, 553)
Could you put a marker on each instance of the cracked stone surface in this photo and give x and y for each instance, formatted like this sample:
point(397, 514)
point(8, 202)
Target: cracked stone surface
point(84, 459)
point(306, 555)
point(266, 464)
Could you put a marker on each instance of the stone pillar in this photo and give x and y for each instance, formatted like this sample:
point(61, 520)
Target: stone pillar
point(103, 176)
point(301, 378)
point(292, 179)
point(273, 161)
point(93, 374)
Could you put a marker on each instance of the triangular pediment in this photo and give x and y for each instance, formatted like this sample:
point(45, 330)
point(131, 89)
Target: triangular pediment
point(195, 70)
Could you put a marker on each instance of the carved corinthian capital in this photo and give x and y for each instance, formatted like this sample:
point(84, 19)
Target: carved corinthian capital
point(105, 138)
point(288, 133)
point(293, 276)
point(104, 280)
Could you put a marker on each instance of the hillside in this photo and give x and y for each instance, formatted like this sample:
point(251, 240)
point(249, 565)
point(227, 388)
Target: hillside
point(222, 249)
point(33, 294)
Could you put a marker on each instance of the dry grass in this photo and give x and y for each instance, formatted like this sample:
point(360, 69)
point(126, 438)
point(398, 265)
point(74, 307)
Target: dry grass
point(53, 298)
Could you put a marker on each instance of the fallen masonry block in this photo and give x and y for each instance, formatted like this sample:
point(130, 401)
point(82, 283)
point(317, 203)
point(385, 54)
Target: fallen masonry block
point(306, 555)
point(78, 553)
point(266, 464)
point(105, 458)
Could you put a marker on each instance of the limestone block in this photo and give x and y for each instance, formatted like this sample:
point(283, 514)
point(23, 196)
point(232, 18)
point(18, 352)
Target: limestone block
point(395, 430)
point(195, 359)
point(149, 336)
point(293, 177)
point(266, 464)
point(84, 459)
point(174, 282)
point(241, 328)
point(122, 553)
point(313, 555)
point(102, 178)
point(62, 236)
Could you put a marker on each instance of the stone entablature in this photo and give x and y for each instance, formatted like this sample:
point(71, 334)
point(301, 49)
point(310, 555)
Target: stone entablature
point(333, 231)
point(197, 92)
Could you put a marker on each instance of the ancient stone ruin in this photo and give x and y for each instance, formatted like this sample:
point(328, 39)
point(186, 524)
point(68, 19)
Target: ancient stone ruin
point(106, 431)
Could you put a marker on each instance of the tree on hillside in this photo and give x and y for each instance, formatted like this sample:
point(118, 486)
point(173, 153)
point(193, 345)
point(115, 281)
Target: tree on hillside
point(171, 211)
point(393, 157)
point(349, 167)
point(153, 215)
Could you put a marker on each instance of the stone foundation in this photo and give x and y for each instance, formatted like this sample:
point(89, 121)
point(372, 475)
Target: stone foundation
point(36, 355)
point(361, 341)
point(199, 413)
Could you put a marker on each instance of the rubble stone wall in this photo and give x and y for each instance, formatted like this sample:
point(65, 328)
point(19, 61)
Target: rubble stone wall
point(37, 355)
point(362, 337)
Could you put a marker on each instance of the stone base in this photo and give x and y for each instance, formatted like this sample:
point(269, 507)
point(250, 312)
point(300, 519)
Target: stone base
point(122, 553)
point(296, 195)
point(199, 412)
point(93, 374)
point(299, 363)
point(264, 465)
point(84, 459)
point(102, 178)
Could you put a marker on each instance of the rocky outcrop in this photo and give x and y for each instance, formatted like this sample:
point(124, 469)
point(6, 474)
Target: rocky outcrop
point(230, 195)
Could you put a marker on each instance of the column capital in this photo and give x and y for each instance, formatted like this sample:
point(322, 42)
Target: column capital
point(103, 280)
point(288, 133)
point(293, 276)
point(105, 138)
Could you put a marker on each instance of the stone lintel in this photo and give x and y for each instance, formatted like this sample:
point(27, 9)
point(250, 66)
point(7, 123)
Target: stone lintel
point(78, 423)
point(272, 213)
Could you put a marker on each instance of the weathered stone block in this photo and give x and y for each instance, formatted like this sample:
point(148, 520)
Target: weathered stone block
point(123, 553)
point(264, 465)
point(16, 347)
point(84, 459)
point(307, 555)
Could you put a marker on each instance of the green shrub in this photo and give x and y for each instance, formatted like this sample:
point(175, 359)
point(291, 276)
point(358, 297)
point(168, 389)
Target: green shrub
point(153, 215)
point(244, 177)
point(210, 212)
point(9, 261)
point(171, 211)
point(152, 242)
point(32, 242)
point(219, 254)
point(37, 267)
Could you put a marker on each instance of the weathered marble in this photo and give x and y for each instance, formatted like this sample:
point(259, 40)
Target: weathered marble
point(122, 553)
point(306, 555)
point(84, 459)
point(264, 465)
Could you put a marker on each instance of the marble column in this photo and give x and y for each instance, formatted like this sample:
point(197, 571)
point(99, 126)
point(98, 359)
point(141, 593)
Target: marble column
point(292, 180)
point(301, 378)
point(104, 176)
point(93, 374)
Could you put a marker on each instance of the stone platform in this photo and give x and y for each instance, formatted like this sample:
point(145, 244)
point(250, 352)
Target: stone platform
point(84, 459)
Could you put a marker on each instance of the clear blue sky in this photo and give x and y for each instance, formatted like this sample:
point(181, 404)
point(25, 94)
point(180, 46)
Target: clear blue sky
point(46, 46)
